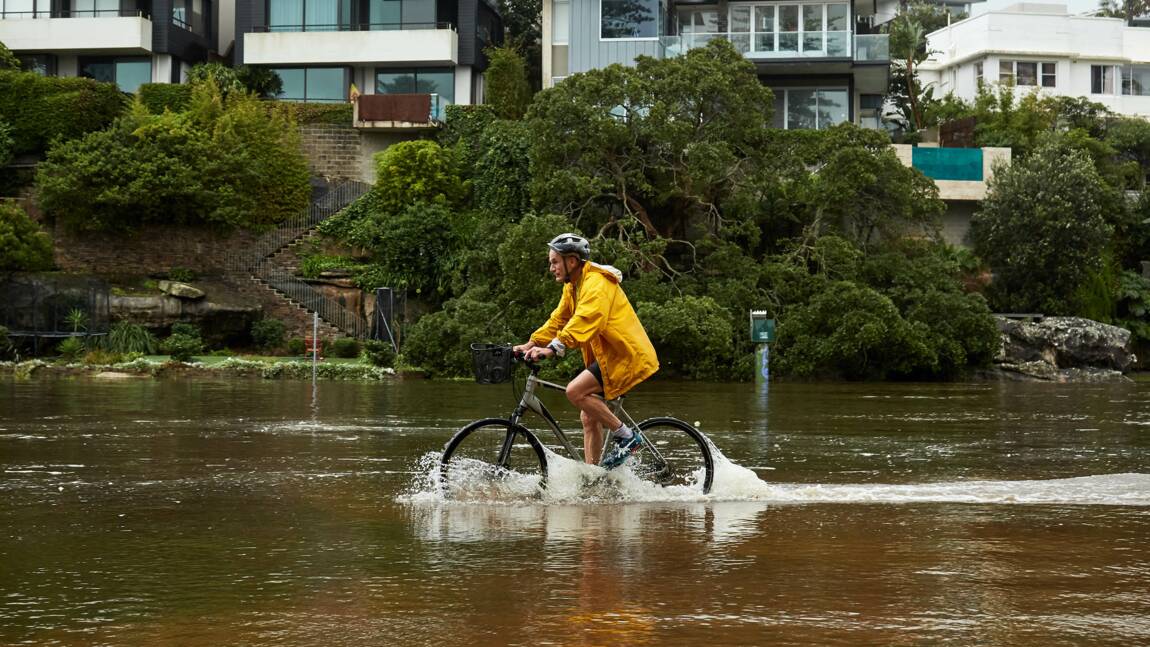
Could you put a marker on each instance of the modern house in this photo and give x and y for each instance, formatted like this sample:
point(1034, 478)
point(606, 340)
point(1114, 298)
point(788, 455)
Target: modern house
point(128, 42)
point(823, 59)
point(1041, 47)
point(321, 47)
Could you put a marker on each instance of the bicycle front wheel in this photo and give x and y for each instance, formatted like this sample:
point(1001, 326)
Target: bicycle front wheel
point(492, 459)
point(675, 454)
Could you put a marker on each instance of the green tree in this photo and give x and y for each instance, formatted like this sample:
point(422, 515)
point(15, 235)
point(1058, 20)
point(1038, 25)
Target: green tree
point(523, 22)
point(1043, 229)
point(23, 247)
point(654, 146)
point(7, 144)
point(223, 162)
point(502, 175)
point(508, 90)
point(8, 60)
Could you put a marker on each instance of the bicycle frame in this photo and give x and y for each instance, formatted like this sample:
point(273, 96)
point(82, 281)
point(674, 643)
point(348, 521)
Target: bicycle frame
point(531, 402)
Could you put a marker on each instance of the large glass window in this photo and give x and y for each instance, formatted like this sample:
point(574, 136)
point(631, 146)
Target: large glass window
point(309, 15)
point(1136, 80)
point(18, 9)
point(629, 18)
point(318, 84)
point(810, 107)
point(96, 8)
point(426, 80)
point(816, 29)
point(127, 73)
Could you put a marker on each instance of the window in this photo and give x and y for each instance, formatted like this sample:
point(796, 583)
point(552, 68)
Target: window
point(189, 14)
point(42, 64)
point(1026, 73)
point(818, 29)
point(318, 84)
point(811, 108)
point(1102, 79)
point(310, 15)
point(1136, 80)
point(424, 80)
point(978, 74)
point(18, 9)
point(629, 18)
point(698, 26)
point(127, 73)
point(561, 22)
point(96, 8)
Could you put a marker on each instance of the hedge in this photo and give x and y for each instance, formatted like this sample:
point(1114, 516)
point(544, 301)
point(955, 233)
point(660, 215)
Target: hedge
point(312, 113)
point(41, 108)
point(157, 97)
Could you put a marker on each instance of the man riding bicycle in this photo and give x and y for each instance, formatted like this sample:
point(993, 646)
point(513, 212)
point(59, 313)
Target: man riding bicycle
point(595, 316)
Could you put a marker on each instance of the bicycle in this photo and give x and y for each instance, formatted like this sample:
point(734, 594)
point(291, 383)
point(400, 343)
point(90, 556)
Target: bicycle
point(499, 450)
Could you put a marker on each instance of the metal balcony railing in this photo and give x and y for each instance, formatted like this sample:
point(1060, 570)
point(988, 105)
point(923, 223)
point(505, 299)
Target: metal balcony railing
point(75, 13)
point(788, 45)
point(352, 26)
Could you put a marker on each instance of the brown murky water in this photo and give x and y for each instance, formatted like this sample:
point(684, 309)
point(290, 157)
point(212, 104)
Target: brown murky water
point(247, 513)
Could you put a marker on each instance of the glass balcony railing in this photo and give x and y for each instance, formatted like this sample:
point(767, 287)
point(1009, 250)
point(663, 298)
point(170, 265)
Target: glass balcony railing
point(872, 48)
point(788, 45)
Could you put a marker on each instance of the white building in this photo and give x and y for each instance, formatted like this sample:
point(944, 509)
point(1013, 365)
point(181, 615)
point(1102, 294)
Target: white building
point(1042, 47)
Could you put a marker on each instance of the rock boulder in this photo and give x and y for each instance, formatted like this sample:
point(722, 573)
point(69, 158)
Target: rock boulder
point(1063, 348)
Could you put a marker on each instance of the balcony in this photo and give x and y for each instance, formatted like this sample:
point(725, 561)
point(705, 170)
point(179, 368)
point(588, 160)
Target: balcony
point(90, 31)
point(788, 46)
point(398, 112)
point(364, 44)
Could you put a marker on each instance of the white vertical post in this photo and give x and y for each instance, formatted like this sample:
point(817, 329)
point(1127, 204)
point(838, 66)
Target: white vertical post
point(314, 345)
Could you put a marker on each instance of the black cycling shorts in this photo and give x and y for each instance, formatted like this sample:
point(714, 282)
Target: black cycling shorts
point(596, 371)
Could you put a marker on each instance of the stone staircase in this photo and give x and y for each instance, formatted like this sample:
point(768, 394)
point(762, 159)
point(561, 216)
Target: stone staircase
point(281, 294)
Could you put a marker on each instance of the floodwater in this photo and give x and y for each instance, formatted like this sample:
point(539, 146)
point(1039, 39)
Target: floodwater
point(175, 512)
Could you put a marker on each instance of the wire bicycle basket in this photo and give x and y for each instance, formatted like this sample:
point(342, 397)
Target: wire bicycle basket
point(492, 363)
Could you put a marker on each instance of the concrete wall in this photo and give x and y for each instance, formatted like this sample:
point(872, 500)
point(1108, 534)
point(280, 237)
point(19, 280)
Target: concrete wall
point(961, 190)
point(131, 35)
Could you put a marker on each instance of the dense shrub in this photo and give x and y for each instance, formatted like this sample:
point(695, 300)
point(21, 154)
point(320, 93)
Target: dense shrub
point(416, 171)
point(345, 347)
point(692, 335)
point(502, 174)
point(1043, 229)
point(296, 346)
point(183, 328)
point(411, 249)
point(379, 353)
point(23, 247)
point(182, 274)
point(222, 163)
point(310, 113)
point(158, 97)
point(7, 144)
point(41, 109)
point(182, 347)
point(439, 342)
point(268, 333)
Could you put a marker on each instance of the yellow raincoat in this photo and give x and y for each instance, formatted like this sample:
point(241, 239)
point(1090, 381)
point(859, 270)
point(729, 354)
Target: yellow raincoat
point(595, 316)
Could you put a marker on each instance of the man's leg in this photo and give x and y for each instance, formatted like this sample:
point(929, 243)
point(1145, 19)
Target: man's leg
point(595, 414)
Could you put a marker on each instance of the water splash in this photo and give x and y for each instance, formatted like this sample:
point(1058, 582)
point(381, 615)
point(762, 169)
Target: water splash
point(571, 482)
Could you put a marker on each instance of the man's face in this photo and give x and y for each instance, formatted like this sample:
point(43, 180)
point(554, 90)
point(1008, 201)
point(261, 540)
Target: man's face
point(558, 265)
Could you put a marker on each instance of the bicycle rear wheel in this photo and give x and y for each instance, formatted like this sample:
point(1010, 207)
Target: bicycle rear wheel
point(492, 459)
point(675, 454)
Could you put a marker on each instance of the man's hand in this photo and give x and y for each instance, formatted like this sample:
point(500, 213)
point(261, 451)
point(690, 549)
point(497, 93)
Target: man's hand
point(522, 349)
point(538, 352)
